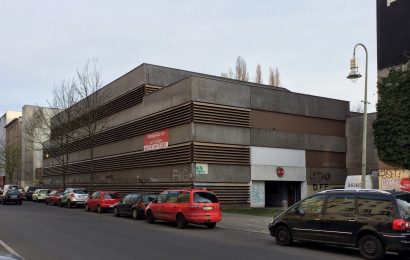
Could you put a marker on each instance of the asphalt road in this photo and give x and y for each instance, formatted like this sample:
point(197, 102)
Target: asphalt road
point(37, 231)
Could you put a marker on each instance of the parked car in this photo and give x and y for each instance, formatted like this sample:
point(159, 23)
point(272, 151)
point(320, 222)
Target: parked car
point(12, 195)
point(372, 220)
point(185, 206)
point(53, 197)
point(29, 192)
point(10, 187)
point(134, 205)
point(73, 197)
point(102, 201)
point(40, 195)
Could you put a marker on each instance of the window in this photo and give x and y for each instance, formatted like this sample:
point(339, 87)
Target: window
point(374, 205)
point(126, 199)
point(205, 197)
point(183, 197)
point(403, 200)
point(95, 195)
point(340, 204)
point(149, 197)
point(172, 197)
point(135, 198)
point(162, 197)
point(80, 191)
point(111, 196)
point(312, 205)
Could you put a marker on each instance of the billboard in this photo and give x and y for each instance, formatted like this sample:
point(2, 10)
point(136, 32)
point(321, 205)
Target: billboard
point(156, 140)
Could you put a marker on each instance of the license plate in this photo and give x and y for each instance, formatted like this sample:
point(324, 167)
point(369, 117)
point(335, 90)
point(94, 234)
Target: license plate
point(207, 208)
point(14, 197)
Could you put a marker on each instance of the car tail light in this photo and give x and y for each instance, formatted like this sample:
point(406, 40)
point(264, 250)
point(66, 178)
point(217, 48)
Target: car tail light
point(400, 224)
point(72, 195)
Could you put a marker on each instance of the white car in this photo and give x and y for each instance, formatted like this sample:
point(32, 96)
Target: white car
point(40, 195)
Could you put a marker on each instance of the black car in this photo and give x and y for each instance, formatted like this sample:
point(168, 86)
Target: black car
point(133, 205)
point(29, 190)
point(12, 196)
point(372, 220)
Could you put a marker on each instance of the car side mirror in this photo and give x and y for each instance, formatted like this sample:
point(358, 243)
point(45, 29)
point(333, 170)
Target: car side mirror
point(300, 212)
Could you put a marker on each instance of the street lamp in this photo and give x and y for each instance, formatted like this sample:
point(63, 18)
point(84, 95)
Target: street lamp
point(354, 75)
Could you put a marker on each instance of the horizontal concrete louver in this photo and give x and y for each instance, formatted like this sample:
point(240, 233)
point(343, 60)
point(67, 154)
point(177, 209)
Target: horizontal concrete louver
point(150, 88)
point(232, 193)
point(177, 154)
point(222, 115)
point(168, 118)
point(221, 154)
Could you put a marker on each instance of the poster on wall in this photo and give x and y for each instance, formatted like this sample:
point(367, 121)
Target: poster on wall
point(394, 180)
point(156, 140)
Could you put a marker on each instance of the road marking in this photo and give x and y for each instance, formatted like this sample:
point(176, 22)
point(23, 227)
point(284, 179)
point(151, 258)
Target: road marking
point(11, 251)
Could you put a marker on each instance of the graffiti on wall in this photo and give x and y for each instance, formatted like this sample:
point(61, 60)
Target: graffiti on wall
point(394, 180)
point(257, 194)
point(181, 175)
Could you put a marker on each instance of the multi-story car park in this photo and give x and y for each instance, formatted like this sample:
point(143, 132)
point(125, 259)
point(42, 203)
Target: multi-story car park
point(251, 144)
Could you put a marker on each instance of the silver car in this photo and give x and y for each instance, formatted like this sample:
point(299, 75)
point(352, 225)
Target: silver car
point(73, 197)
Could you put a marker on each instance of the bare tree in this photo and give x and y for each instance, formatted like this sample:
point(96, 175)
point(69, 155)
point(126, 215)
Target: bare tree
point(274, 77)
point(50, 130)
point(358, 108)
point(228, 74)
point(89, 85)
point(258, 74)
point(10, 155)
point(241, 70)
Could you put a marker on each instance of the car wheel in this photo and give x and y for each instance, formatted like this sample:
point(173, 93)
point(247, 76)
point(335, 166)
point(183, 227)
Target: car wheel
point(150, 216)
point(60, 203)
point(135, 214)
point(86, 207)
point(69, 204)
point(181, 222)
point(20, 202)
point(283, 236)
point(116, 212)
point(211, 225)
point(46, 202)
point(371, 247)
point(99, 209)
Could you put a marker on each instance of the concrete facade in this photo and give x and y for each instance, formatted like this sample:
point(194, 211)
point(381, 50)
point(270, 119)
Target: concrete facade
point(5, 120)
point(214, 129)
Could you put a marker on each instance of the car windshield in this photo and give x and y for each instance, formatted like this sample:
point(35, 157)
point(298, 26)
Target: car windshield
point(403, 200)
point(13, 192)
point(43, 191)
point(80, 191)
point(205, 197)
point(149, 197)
point(32, 188)
point(111, 196)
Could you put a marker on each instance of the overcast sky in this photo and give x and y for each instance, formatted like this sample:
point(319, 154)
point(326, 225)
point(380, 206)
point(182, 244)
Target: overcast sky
point(310, 41)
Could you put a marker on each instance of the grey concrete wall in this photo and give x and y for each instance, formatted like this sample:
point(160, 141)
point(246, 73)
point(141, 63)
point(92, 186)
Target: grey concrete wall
point(177, 135)
point(225, 173)
point(277, 139)
point(300, 104)
point(221, 134)
point(354, 136)
point(222, 92)
point(160, 100)
point(331, 176)
point(123, 84)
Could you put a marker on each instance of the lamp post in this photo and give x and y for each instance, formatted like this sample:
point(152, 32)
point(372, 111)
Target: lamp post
point(354, 75)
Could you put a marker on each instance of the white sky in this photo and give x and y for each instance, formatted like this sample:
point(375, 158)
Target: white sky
point(311, 41)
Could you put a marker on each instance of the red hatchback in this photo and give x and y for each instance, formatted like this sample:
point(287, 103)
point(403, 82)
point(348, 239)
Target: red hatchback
point(185, 206)
point(101, 201)
point(53, 198)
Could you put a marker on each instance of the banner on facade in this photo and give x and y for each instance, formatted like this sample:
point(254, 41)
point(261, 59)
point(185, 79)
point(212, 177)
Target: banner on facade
point(156, 140)
point(201, 168)
point(394, 180)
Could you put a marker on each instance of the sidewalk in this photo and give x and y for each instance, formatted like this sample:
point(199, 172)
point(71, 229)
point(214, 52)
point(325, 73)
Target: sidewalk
point(245, 222)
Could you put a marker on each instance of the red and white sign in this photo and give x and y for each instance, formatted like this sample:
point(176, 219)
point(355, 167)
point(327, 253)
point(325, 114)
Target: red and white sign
point(280, 172)
point(156, 140)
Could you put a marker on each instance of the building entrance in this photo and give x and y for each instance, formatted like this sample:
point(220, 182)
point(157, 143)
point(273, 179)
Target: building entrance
point(278, 191)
